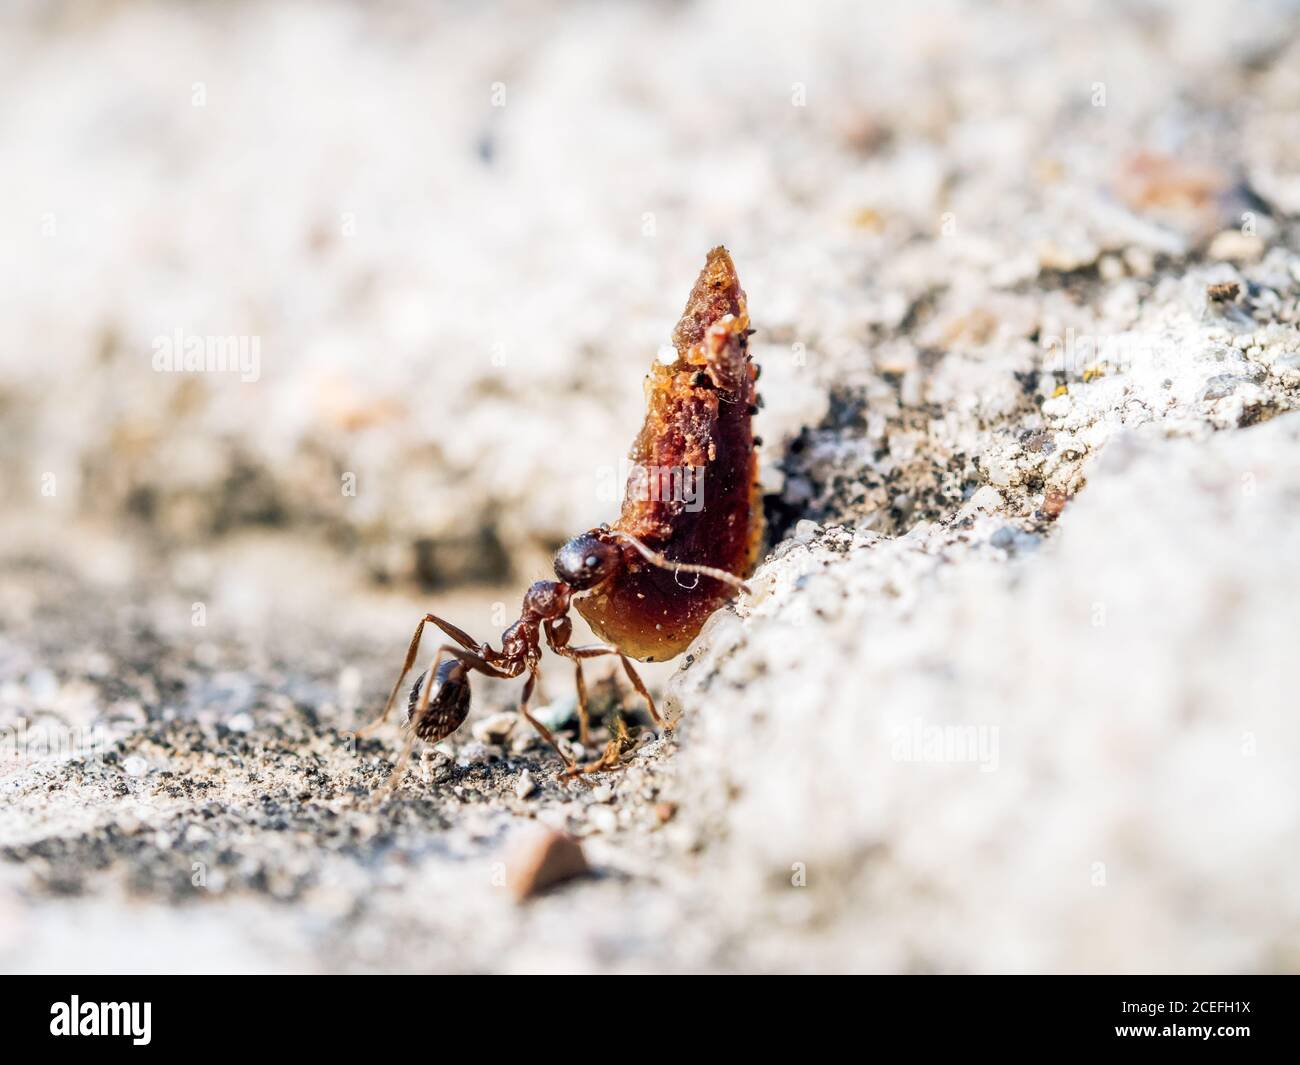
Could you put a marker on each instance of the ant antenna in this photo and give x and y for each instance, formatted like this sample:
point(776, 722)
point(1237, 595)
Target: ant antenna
point(657, 559)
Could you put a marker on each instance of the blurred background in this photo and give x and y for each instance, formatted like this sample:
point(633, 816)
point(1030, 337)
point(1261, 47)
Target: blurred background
point(458, 232)
point(446, 240)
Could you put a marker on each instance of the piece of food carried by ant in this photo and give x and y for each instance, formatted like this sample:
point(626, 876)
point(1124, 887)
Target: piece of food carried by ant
point(688, 534)
point(692, 496)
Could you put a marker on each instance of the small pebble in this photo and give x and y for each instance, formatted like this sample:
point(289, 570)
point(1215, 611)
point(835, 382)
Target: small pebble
point(540, 859)
point(602, 819)
point(557, 715)
point(1220, 386)
point(475, 754)
point(1054, 501)
point(805, 531)
point(523, 740)
point(135, 766)
point(1235, 246)
point(495, 729)
point(241, 722)
point(1140, 262)
point(525, 786)
point(986, 497)
point(1001, 472)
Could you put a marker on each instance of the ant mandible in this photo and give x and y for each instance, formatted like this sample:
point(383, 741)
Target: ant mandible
point(625, 579)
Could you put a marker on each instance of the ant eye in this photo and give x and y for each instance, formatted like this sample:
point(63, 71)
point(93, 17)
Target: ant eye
point(586, 560)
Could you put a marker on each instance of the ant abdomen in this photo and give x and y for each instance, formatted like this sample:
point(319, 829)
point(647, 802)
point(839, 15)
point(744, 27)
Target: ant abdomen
point(448, 706)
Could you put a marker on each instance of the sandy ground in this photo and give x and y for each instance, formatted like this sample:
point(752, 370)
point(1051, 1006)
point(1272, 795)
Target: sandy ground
point(204, 782)
point(1012, 691)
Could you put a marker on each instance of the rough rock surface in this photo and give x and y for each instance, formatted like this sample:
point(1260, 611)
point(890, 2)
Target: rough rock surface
point(987, 751)
point(1011, 692)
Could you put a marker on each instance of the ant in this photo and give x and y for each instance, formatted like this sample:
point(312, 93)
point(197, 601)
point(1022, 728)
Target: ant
point(625, 579)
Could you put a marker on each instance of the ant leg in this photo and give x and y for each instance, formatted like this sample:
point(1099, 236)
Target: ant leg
point(557, 637)
point(472, 661)
point(399, 768)
point(639, 685)
point(610, 760)
point(656, 559)
point(451, 630)
point(546, 734)
point(584, 734)
point(595, 651)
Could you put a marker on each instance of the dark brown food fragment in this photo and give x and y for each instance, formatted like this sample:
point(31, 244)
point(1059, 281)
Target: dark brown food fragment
point(716, 294)
point(693, 493)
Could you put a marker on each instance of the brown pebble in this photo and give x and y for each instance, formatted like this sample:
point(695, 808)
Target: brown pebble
point(665, 811)
point(1223, 291)
point(542, 858)
point(1054, 501)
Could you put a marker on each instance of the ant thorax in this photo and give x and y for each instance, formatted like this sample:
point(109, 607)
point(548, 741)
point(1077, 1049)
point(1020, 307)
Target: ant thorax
point(545, 599)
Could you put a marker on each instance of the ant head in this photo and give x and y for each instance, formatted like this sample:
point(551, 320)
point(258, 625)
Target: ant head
point(587, 560)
